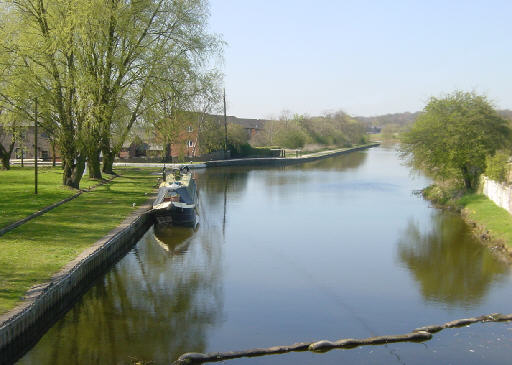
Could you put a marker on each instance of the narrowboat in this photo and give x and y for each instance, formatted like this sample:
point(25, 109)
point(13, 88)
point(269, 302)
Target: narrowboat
point(177, 198)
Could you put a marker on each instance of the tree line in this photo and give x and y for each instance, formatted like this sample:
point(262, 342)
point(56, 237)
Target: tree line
point(98, 67)
point(332, 129)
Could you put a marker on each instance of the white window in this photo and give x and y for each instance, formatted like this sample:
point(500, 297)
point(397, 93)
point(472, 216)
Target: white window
point(190, 129)
point(191, 143)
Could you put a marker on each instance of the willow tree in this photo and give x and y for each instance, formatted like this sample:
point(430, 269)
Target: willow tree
point(93, 63)
point(40, 38)
point(453, 136)
point(129, 49)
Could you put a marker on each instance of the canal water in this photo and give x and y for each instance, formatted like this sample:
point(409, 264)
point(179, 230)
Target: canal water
point(339, 248)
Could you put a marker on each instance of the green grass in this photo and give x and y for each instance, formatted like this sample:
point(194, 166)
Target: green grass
point(483, 211)
point(33, 252)
point(17, 198)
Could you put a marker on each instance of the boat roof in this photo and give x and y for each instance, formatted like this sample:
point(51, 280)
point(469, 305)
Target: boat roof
point(184, 180)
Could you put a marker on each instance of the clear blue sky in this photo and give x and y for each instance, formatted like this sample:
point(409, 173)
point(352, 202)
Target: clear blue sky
point(364, 57)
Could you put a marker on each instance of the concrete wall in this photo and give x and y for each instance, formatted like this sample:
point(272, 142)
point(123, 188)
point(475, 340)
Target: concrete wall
point(500, 194)
point(22, 327)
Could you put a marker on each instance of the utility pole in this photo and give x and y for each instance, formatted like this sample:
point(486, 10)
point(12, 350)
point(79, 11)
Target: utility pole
point(225, 127)
point(35, 149)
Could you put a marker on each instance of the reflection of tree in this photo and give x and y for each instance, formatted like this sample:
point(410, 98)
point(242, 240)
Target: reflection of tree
point(214, 180)
point(351, 160)
point(448, 263)
point(297, 174)
point(151, 306)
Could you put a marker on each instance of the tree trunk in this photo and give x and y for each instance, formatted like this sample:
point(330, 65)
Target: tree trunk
point(5, 161)
point(5, 155)
point(108, 155)
point(54, 158)
point(73, 172)
point(168, 153)
point(94, 164)
point(108, 162)
point(467, 178)
point(68, 176)
point(78, 171)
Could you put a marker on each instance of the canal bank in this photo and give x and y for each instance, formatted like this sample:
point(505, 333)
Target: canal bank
point(286, 161)
point(44, 304)
point(256, 161)
point(489, 223)
point(21, 327)
point(50, 260)
point(261, 271)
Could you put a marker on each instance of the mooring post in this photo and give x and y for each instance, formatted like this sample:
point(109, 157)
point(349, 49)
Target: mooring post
point(35, 150)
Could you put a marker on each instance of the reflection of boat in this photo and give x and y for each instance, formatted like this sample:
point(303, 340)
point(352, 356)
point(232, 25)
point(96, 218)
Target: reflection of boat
point(176, 200)
point(173, 239)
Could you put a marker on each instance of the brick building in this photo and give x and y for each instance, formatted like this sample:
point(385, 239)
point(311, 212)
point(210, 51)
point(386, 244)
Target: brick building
point(24, 145)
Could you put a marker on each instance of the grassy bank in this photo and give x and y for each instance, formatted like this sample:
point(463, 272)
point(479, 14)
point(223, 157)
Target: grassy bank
point(491, 222)
point(479, 209)
point(17, 198)
point(35, 251)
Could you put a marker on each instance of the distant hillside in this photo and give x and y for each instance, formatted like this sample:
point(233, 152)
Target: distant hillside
point(506, 113)
point(394, 118)
point(403, 119)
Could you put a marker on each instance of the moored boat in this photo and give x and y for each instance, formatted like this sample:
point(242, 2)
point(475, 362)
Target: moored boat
point(176, 200)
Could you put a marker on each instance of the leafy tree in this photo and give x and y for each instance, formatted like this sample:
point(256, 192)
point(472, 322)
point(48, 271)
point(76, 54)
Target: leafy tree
point(211, 134)
point(390, 130)
point(453, 136)
point(95, 64)
point(237, 137)
point(497, 166)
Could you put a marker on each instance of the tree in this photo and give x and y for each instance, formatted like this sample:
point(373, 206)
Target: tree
point(453, 136)
point(237, 137)
point(93, 64)
point(497, 168)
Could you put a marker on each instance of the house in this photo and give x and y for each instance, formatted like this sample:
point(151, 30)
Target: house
point(252, 126)
point(24, 146)
point(145, 145)
point(148, 145)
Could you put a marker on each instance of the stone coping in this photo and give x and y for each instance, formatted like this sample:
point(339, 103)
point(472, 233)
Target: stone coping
point(252, 161)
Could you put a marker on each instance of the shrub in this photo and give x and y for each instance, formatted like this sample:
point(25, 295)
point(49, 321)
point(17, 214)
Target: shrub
point(497, 168)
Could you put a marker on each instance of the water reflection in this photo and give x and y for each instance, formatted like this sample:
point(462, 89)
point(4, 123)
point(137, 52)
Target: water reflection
point(449, 265)
point(154, 305)
point(349, 161)
point(174, 239)
point(286, 254)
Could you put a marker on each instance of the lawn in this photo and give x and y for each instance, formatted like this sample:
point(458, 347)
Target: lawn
point(33, 252)
point(17, 198)
point(482, 210)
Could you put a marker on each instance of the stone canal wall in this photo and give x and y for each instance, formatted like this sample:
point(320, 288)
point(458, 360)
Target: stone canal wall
point(281, 161)
point(22, 327)
point(500, 194)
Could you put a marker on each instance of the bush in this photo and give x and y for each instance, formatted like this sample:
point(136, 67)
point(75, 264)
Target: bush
point(246, 150)
point(497, 168)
